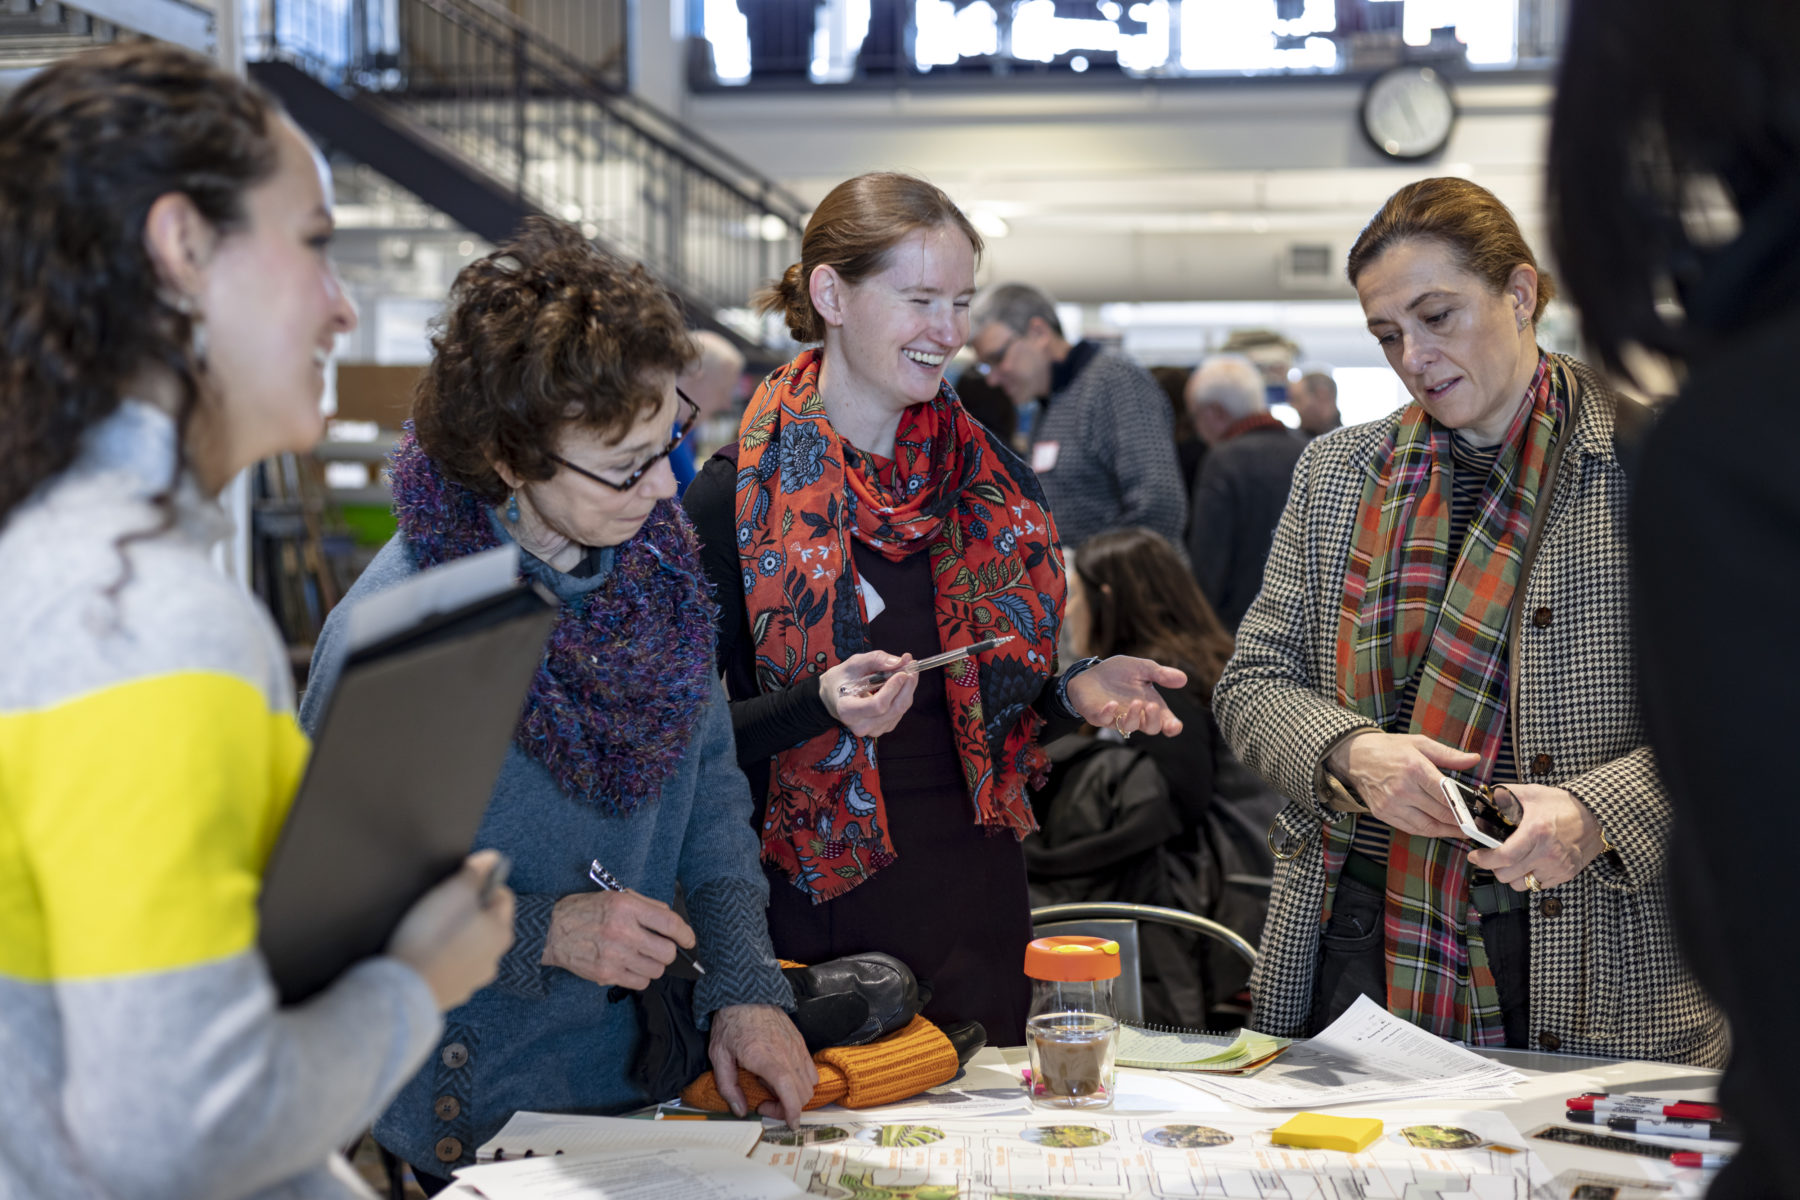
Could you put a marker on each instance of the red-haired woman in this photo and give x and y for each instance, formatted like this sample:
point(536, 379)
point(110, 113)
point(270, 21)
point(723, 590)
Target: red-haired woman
point(863, 520)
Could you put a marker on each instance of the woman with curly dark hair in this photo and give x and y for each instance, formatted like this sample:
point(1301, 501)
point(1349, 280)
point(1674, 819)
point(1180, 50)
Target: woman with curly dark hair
point(862, 507)
point(167, 309)
point(544, 422)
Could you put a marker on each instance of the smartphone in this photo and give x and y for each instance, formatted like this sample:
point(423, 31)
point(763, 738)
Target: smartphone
point(1481, 815)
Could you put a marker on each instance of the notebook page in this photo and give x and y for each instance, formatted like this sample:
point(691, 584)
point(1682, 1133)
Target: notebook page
point(542, 1134)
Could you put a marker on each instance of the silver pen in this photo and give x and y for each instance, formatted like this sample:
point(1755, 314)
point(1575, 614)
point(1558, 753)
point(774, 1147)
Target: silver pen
point(869, 684)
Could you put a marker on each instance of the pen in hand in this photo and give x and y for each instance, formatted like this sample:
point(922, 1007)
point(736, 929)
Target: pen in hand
point(603, 879)
point(868, 684)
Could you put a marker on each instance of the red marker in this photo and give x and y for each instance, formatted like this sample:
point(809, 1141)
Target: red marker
point(1644, 1106)
point(1691, 1158)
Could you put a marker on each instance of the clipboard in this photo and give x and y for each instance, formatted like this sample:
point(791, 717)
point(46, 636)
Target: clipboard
point(412, 740)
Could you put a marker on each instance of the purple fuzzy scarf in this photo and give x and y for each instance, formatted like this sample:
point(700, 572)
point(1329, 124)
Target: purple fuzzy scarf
point(629, 667)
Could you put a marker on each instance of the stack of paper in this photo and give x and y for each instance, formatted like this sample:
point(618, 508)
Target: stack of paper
point(1169, 1051)
point(1366, 1055)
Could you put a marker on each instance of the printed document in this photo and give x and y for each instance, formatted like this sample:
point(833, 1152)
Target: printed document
point(645, 1175)
point(1366, 1055)
point(540, 1134)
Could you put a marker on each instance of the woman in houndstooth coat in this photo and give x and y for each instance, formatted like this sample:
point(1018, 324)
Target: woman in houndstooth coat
point(1447, 597)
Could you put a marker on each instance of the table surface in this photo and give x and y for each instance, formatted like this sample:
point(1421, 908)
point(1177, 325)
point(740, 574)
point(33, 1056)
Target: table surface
point(1550, 1080)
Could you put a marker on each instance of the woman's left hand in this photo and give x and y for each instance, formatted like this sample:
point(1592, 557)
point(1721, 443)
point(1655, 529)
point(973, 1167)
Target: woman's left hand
point(761, 1039)
point(1557, 836)
point(1118, 692)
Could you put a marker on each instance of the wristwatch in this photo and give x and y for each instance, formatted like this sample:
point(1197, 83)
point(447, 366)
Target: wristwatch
point(1063, 680)
point(1340, 796)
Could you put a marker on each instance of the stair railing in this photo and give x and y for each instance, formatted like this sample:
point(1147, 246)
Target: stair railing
point(558, 132)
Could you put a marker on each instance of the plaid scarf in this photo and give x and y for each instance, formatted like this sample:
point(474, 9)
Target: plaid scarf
point(955, 492)
point(1411, 611)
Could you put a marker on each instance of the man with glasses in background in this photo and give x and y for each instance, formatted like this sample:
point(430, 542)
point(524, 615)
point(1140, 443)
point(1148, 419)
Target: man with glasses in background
point(1104, 443)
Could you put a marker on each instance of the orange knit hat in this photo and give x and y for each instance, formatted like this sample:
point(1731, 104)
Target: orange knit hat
point(902, 1064)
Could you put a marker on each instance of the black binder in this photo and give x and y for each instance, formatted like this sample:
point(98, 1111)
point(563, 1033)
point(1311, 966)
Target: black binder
point(412, 740)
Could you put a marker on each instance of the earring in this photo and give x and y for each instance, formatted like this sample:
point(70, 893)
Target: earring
point(1521, 322)
point(512, 508)
point(185, 305)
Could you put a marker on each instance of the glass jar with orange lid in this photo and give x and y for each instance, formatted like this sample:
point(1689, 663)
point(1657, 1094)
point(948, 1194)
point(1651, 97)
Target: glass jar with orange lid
point(1073, 1029)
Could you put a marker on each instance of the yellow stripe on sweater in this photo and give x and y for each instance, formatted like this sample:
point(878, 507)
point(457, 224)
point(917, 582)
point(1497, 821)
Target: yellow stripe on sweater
point(135, 822)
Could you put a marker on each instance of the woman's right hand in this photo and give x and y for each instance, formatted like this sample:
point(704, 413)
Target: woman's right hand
point(614, 938)
point(878, 712)
point(450, 939)
point(1398, 776)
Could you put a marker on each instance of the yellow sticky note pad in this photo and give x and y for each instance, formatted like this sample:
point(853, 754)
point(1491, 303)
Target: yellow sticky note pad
point(1316, 1131)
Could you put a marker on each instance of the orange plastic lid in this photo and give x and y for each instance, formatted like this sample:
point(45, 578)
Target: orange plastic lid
point(1072, 959)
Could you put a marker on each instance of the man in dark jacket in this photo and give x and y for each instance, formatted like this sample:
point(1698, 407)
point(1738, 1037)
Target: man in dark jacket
point(1243, 482)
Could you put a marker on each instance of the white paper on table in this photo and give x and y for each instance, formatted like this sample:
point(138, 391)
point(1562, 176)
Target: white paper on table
point(674, 1174)
point(1366, 1055)
point(938, 1104)
point(541, 1134)
point(1457, 1154)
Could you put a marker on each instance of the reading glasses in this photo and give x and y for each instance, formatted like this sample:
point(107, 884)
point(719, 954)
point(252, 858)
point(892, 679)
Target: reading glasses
point(691, 414)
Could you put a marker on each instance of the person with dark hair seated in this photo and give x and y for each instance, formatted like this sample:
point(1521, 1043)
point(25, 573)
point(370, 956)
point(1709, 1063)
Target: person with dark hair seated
point(1712, 98)
point(1154, 820)
point(543, 422)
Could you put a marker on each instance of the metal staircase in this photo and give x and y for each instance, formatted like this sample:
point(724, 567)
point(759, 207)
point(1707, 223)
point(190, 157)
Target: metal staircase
point(486, 119)
point(464, 105)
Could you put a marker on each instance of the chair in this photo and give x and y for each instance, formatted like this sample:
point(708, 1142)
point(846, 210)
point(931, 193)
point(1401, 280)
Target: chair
point(1119, 923)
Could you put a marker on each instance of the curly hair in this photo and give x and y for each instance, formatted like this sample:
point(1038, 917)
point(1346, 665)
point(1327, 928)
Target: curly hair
point(547, 331)
point(852, 231)
point(86, 147)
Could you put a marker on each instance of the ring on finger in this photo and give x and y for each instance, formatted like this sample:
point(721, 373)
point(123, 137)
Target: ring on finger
point(1531, 881)
point(1119, 723)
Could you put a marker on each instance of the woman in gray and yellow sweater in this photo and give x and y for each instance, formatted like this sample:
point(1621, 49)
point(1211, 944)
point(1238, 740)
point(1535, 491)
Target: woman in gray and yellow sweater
point(167, 309)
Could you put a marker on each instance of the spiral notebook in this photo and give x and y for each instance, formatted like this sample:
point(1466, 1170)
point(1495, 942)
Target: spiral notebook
point(539, 1135)
point(1168, 1048)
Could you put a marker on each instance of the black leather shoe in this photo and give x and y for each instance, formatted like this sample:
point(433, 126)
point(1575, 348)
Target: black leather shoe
point(966, 1037)
point(882, 982)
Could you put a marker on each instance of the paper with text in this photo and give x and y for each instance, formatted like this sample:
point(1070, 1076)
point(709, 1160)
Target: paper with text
point(1366, 1055)
point(540, 1134)
point(676, 1174)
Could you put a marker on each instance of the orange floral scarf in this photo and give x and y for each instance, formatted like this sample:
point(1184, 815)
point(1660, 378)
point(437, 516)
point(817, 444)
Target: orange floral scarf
point(953, 490)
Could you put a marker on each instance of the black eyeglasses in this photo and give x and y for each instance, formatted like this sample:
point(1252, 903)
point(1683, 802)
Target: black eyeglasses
point(989, 363)
point(631, 480)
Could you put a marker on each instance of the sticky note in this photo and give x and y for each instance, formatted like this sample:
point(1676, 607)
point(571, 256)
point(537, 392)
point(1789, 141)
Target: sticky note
point(1316, 1131)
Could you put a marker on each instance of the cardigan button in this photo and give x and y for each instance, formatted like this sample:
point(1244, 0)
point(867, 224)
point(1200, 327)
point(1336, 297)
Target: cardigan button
point(1541, 765)
point(448, 1149)
point(1541, 618)
point(455, 1055)
point(448, 1108)
point(1549, 1041)
point(1550, 906)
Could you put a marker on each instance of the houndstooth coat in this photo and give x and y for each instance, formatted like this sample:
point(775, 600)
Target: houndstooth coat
point(1606, 977)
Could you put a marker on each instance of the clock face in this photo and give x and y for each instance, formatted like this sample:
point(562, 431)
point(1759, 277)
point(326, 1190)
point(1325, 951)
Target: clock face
point(1408, 111)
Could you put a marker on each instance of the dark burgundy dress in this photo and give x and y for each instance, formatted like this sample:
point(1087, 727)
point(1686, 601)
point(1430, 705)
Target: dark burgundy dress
point(954, 906)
